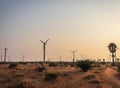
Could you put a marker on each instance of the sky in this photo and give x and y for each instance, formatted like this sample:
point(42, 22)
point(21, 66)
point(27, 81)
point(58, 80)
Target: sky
point(87, 26)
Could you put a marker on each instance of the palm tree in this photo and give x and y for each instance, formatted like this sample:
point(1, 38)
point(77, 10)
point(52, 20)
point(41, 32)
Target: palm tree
point(112, 47)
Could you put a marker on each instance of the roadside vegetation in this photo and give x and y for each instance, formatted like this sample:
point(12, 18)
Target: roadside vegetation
point(85, 65)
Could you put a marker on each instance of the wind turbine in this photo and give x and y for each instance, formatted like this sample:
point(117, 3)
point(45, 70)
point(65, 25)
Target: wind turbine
point(23, 57)
point(83, 57)
point(73, 51)
point(5, 54)
point(44, 44)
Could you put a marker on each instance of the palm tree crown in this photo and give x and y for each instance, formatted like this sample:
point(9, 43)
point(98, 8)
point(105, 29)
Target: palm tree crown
point(112, 47)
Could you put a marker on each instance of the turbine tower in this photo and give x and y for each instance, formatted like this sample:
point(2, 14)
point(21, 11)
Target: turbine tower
point(23, 57)
point(5, 54)
point(44, 44)
point(73, 54)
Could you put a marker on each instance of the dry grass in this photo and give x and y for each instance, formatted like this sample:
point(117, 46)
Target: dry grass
point(26, 76)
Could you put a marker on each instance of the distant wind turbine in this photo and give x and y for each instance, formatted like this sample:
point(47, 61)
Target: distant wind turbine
point(44, 44)
point(73, 54)
point(23, 58)
point(5, 54)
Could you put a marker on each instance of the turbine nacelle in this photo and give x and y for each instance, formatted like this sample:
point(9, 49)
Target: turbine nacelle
point(44, 42)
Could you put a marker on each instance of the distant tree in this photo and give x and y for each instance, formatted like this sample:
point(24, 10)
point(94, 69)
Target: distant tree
point(112, 48)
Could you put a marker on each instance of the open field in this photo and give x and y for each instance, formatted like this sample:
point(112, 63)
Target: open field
point(30, 75)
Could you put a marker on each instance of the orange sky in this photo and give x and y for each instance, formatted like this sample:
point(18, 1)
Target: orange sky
point(83, 25)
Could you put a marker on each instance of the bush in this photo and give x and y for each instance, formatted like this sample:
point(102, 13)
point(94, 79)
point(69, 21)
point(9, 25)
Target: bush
point(23, 63)
point(84, 65)
point(3, 63)
point(40, 69)
point(50, 76)
point(13, 65)
point(52, 64)
point(72, 64)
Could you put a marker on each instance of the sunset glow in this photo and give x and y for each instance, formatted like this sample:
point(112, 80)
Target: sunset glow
point(87, 26)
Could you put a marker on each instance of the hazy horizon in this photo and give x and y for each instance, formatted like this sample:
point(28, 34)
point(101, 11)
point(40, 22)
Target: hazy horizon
point(87, 26)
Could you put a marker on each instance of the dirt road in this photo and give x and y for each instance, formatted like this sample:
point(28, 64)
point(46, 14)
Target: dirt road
point(109, 79)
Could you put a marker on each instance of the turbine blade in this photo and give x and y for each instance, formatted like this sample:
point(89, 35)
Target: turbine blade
point(41, 41)
point(47, 40)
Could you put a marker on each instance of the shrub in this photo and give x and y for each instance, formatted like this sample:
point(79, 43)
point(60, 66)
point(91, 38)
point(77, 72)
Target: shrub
point(23, 63)
point(3, 62)
point(40, 69)
point(13, 65)
point(72, 64)
point(50, 76)
point(84, 65)
point(52, 64)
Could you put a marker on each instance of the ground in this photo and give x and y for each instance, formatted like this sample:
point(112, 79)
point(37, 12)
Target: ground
point(26, 76)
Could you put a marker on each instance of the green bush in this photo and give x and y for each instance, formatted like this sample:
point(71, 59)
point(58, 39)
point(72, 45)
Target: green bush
point(50, 76)
point(40, 69)
point(13, 65)
point(84, 65)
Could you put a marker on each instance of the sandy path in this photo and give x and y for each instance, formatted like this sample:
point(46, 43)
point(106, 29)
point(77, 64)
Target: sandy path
point(109, 78)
